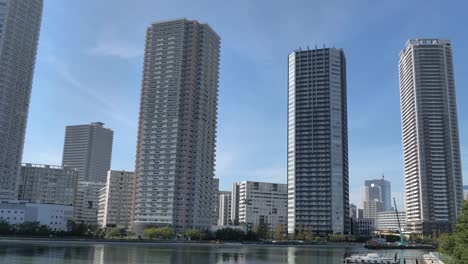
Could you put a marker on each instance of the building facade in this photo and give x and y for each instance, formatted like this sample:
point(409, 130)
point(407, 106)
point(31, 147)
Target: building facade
point(371, 208)
point(56, 217)
point(318, 191)
point(431, 148)
point(47, 184)
point(115, 200)
point(224, 209)
point(87, 202)
point(174, 175)
point(380, 190)
point(88, 148)
point(388, 221)
point(262, 202)
point(20, 22)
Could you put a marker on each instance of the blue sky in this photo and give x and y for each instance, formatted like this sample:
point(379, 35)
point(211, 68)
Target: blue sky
point(90, 59)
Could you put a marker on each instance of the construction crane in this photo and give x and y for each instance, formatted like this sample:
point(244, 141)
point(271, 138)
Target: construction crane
point(402, 242)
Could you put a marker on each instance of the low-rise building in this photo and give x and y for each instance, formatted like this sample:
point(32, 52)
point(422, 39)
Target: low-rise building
point(388, 221)
point(115, 200)
point(47, 184)
point(262, 202)
point(87, 202)
point(224, 208)
point(371, 208)
point(363, 227)
point(56, 217)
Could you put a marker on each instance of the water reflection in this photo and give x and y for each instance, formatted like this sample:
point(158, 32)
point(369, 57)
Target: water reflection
point(74, 253)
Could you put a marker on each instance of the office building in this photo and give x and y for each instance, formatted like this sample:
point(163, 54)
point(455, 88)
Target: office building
point(174, 175)
point(380, 190)
point(262, 202)
point(318, 187)
point(371, 208)
point(224, 208)
point(88, 148)
point(388, 221)
point(47, 184)
point(353, 211)
point(20, 22)
point(87, 202)
point(363, 227)
point(56, 217)
point(431, 148)
point(115, 200)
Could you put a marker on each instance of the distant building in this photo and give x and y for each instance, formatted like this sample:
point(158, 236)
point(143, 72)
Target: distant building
point(224, 217)
point(360, 213)
point(88, 148)
point(364, 227)
point(87, 202)
point(174, 174)
point(56, 217)
point(318, 142)
point(47, 184)
point(235, 204)
point(371, 208)
point(353, 213)
point(20, 23)
point(465, 192)
point(262, 202)
point(115, 200)
point(387, 221)
point(431, 144)
point(380, 190)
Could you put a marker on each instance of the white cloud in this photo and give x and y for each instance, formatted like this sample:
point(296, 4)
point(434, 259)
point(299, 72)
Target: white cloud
point(116, 48)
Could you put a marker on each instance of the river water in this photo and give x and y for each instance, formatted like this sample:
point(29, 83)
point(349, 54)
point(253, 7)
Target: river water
point(54, 252)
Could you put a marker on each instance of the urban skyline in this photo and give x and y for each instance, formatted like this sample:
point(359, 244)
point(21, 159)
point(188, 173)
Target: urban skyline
point(262, 169)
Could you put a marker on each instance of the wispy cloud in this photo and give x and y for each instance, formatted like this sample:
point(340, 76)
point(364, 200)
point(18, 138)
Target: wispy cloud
point(116, 48)
point(102, 102)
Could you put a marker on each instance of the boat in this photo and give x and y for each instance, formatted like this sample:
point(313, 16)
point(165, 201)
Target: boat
point(371, 258)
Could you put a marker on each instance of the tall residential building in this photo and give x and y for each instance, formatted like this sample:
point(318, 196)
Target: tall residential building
point(47, 184)
point(262, 201)
point(318, 187)
point(224, 209)
point(431, 148)
point(88, 148)
point(87, 202)
point(235, 204)
point(20, 22)
point(379, 190)
point(115, 200)
point(174, 175)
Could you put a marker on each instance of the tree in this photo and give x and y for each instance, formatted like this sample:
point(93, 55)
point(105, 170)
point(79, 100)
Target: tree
point(162, 233)
point(115, 232)
point(456, 245)
point(230, 234)
point(308, 235)
point(195, 234)
point(5, 228)
point(278, 232)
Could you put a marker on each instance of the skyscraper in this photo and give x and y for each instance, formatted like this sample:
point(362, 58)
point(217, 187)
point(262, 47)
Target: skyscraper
point(378, 189)
point(431, 148)
point(318, 188)
point(224, 209)
point(20, 22)
point(88, 148)
point(177, 126)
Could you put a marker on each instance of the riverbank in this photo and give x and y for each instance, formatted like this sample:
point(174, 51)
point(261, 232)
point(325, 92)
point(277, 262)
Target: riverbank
point(57, 240)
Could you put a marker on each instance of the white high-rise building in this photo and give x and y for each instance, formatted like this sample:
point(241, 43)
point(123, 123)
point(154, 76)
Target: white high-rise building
point(431, 148)
point(115, 200)
point(261, 201)
point(20, 22)
point(174, 175)
point(318, 182)
point(224, 209)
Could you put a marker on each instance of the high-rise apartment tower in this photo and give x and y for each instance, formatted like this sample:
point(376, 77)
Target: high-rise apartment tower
point(318, 188)
point(20, 22)
point(431, 148)
point(174, 175)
